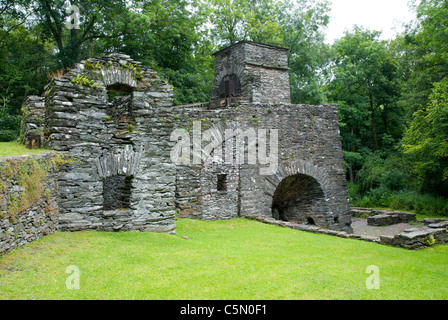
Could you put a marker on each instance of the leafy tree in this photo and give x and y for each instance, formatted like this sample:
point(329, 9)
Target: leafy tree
point(423, 54)
point(426, 141)
point(20, 74)
point(364, 80)
point(98, 20)
point(302, 26)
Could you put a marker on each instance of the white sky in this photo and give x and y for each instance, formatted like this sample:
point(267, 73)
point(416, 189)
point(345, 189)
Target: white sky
point(380, 15)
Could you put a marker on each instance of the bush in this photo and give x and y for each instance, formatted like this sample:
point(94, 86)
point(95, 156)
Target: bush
point(8, 135)
point(353, 194)
point(9, 127)
point(378, 197)
point(393, 179)
point(405, 200)
point(430, 205)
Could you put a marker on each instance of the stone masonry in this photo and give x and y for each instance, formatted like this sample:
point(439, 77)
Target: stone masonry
point(116, 119)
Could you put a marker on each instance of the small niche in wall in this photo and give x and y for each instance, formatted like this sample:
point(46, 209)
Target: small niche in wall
point(222, 182)
point(119, 103)
point(117, 192)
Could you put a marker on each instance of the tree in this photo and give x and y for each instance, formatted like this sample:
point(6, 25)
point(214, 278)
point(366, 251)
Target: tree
point(235, 20)
point(426, 141)
point(423, 54)
point(169, 36)
point(364, 80)
point(99, 20)
point(302, 26)
point(25, 60)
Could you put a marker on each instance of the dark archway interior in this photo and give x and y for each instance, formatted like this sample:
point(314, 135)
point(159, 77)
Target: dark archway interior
point(298, 198)
point(230, 86)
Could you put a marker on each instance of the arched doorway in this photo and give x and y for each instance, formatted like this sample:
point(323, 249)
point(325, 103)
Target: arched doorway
point(300, 198)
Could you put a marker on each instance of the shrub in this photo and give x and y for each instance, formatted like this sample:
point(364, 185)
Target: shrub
point(431, 205)
point(405, 200)
point(9, 127)
point(393, 179)
point(8, 135)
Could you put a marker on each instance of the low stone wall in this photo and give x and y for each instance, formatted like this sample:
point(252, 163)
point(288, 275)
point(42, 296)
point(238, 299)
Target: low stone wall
point(390, 218)
point(417, 238)
point(314, 229)
point(413, 238)
point(28, 205)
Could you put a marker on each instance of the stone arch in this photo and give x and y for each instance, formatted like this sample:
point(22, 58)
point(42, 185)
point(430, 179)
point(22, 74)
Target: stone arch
point(235, 69)
point(115, 75)
point(300, 198)
point(301, 192)
point(123, 161)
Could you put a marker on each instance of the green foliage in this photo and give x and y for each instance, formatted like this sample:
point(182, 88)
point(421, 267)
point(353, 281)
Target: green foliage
point(426, 140)
point(393, 179)
point(85, 81)
point(90, 66)
point(431, 240)
point(9, 127)
point(364, 84)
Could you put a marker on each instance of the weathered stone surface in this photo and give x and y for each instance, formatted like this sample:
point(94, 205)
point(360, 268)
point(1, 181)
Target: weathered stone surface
point(428, 221)
point(130, 136)
point(32, 126)
point(383, 220)
point(261, 71)
point(390, 218)
point(35, 219)
point(417, 238)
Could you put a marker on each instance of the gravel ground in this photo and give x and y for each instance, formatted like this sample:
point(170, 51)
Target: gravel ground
point(360, 227)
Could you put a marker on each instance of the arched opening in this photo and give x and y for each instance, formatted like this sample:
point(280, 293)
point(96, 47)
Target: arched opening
point(230, 87)
point(299, 198)
point(119, 102)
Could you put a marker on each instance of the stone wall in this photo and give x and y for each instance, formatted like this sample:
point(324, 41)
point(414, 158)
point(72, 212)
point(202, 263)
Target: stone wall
point(309, 145)
point(85, 120)
point(261, 68)
point(115, 118)
point(28, 199)
point(32, 124)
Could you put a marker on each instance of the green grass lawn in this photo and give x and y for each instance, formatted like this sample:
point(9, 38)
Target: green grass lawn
point(235, 259)
point(17, 149)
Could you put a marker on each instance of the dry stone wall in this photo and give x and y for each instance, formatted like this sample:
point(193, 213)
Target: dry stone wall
point(32, 124)
point(28, 199)
point(80, 122)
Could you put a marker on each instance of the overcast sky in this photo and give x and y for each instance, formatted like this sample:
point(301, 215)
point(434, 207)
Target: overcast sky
point(380, 15)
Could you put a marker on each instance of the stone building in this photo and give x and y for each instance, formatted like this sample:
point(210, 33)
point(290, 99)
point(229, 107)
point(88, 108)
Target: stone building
point(139, 160)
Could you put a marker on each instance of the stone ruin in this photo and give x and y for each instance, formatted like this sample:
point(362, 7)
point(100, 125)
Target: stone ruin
point(116, 119)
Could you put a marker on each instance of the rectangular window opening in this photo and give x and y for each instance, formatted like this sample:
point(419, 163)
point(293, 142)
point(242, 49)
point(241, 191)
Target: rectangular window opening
point(117, 192)
point(222, 182)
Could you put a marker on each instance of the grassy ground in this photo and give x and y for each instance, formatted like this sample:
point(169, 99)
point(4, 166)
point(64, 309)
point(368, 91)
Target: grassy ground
point(17, 149)
point(235, 259)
